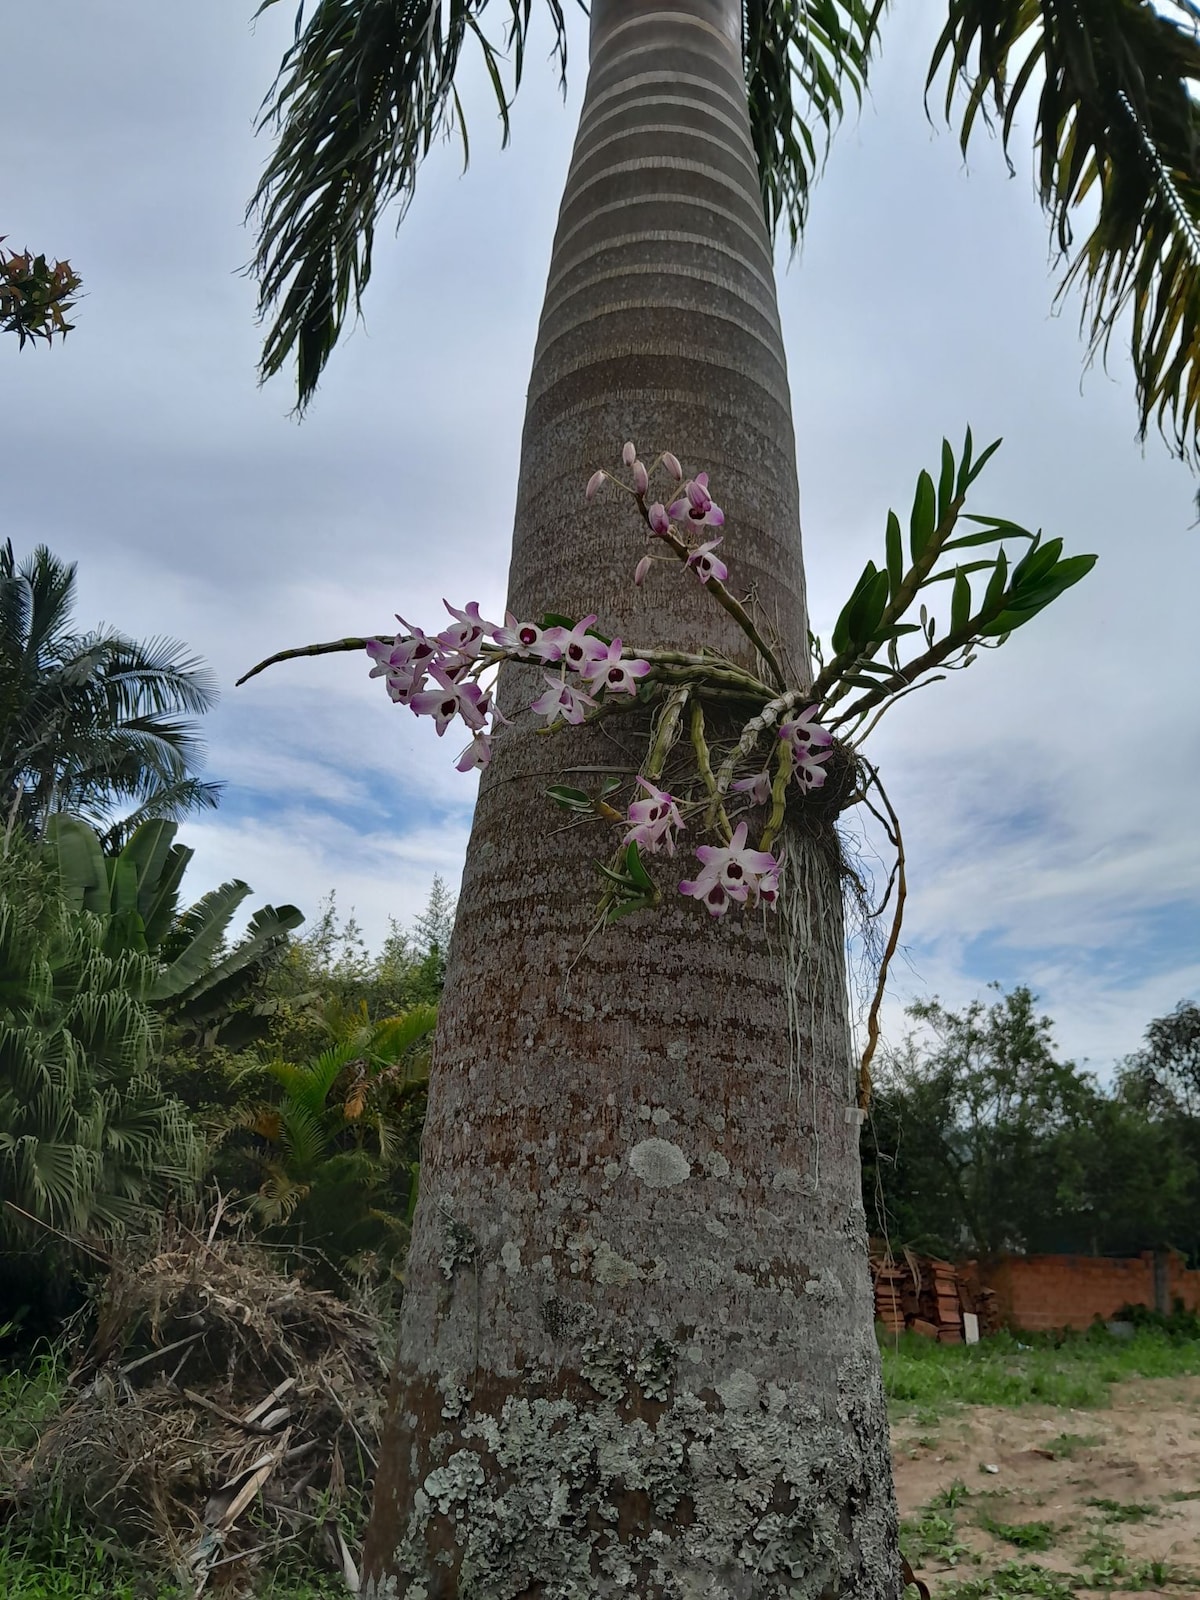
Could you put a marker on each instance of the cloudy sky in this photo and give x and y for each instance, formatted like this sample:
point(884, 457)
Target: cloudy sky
point(1048, 795)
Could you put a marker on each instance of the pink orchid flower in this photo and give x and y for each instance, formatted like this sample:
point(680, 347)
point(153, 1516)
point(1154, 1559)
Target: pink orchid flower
point(806, 771)
point(655, 820)
point(640, 571)
point(696, 504)
point(672, 465)
point(758, 787)
point(731, 873)
point(450, 700)
point(641, 478)
point(525, 639)
point(804, 732)
point(477, 754)
point(468, 633)
point(594, 482)
point(629, 453)
point(576, 647)
point(660, 522)
point(403, 661)
point(767, 887)
point(706, 565)
point(561, 700)
point(609, 672)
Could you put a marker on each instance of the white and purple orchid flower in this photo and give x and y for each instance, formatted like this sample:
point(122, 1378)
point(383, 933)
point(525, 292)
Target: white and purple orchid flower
point(758, 787)
point(477, 754)
point(609, 671)
point(655, 820)
point(450, 700)
point(804, 733)
point(525, 639)
point(732, 873)
point(707, 566)
point(561, 701)
point(576, 647)
point(696, 504)
point(468, 633)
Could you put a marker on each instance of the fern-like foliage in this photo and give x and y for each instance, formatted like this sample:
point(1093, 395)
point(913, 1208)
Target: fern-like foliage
point(88, 1140)
point(1117, 126)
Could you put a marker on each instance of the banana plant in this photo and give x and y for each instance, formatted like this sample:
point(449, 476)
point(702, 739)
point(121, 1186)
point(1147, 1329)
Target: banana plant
point(136, 895)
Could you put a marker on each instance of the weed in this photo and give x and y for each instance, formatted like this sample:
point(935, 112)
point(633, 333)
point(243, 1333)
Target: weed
point(931, 1537)
point(1120, 1511)
point(1013, 1581)
point(1024, 1535)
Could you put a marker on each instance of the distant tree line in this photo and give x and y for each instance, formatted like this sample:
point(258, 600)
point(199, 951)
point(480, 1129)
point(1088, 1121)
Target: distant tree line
point(981, 1141)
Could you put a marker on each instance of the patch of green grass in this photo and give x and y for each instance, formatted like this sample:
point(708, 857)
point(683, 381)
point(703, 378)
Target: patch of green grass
point(1074, 1370)
point(1024, 1535)
point(1122, 1511)
point(1183, 1494)
point(29, 1398)
point(1015, 1580)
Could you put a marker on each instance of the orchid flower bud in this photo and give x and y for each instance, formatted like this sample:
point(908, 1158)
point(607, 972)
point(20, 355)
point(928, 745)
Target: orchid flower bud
point(629, 453)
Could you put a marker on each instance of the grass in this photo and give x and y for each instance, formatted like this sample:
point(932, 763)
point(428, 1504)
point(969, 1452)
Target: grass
point(65, 1565)
point(923, 1377)
point(1121, 1511)
point(1013, 1581)
point(1023, 1535)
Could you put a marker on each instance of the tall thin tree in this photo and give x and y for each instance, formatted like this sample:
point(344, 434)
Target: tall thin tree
point(637, 1353)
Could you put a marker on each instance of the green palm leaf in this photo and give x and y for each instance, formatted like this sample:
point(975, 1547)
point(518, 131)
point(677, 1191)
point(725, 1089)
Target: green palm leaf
point(365, 89)
point(1117, 127)
point(801, 58)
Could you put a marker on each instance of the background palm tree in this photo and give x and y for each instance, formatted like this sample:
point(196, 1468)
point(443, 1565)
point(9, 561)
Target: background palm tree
point(636, 1347)
point(91, 722)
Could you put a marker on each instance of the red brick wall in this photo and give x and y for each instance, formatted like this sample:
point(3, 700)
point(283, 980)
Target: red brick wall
point(1044, 1292)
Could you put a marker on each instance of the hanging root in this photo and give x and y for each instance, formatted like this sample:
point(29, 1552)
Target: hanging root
point(891, 826)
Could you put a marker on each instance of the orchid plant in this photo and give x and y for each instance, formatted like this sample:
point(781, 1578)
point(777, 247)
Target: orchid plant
point(788, 732)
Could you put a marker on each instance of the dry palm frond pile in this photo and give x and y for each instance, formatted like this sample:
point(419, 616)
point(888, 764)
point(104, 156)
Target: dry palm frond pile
point(222, 1412)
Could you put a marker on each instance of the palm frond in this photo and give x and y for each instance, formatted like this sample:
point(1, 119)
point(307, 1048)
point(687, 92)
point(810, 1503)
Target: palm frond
point(802, 56)
point(1116, 126)
point(363, 92)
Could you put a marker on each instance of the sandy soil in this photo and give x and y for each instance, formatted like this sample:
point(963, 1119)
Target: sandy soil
point(1142, 1456)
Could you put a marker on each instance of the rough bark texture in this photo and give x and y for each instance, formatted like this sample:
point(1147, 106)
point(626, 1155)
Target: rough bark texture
point(637, 1353)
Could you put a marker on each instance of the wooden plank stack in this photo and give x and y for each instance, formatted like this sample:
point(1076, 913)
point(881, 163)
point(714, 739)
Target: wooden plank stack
point(921, 1294)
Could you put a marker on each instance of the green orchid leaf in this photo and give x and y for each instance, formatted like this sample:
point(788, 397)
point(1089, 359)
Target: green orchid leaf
point(945, 495)
point(960, 600)
point(635, 869)
point(895, 553)
point(570, 799)
point(866, 611)
point(964, 466)
point(924, 516)
point(979, 465)
point(999, 578)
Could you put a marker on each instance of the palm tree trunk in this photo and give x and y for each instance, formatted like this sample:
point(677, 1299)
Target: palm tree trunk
point(636, 1351)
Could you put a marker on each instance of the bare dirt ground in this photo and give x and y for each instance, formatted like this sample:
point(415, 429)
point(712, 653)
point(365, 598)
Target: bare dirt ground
point(1109, 1500)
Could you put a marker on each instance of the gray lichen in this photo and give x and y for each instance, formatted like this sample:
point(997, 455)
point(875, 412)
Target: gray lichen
point(771, 1488)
